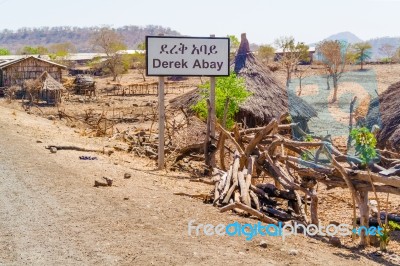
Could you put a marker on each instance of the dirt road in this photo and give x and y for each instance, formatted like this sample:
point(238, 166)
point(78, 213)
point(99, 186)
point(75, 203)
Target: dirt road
point(50, 213)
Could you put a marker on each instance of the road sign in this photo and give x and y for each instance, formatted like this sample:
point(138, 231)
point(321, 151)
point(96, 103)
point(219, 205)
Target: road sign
point(187, 56)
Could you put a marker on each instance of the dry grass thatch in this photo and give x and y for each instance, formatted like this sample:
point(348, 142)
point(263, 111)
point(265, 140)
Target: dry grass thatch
point(49, 83)
point(44, 88)
point(385, 111)
point(268, 100)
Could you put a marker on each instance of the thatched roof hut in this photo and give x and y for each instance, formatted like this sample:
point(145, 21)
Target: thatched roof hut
point(268, 100)
point(51, 89)
point(384, 111)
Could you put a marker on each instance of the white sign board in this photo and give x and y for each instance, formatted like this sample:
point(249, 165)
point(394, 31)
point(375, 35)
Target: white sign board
point(187, 56)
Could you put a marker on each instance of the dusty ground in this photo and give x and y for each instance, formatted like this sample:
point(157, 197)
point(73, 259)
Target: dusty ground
point(50, 213)
point(385, 75)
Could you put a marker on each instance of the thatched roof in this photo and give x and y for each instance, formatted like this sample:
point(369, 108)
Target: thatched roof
point(268, 100)
point(385, 112)
point(18, 59)
point(49, 83)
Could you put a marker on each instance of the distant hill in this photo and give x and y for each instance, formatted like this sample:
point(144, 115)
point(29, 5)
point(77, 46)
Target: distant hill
point(80, 37)
point(344, 36)
point(379, 42)
point(376, 43)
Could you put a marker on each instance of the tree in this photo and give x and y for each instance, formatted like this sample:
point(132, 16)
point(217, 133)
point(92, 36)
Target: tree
point(61, 50)
point(31, 50)
point(139, 62)
point(290, 54)
point(388, 51)
point(362, 52)
point(234, 43)
point(301, 75)
point(141, 46)
point(265, 53)
point(232, 88)
point(397, 55)
point(365, 143)
point(334, 56)
point(110, 42)
point(4, 51)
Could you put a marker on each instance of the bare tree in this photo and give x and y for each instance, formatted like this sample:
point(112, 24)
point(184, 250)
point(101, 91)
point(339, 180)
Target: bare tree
point(266, 53)
point(334, 56)
point(290, 54)
point(301, 74)
point(388, 51)
point(397, 55)
point(110, 42)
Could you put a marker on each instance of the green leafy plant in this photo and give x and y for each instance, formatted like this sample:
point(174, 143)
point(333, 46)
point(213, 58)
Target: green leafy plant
point(308, 138)
point(308, 155)
point(365, 143)
point(232, 88)
point(4, 51)
point(385, 236)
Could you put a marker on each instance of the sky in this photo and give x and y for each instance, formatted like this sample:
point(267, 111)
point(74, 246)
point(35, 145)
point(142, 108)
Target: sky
point(264, 21)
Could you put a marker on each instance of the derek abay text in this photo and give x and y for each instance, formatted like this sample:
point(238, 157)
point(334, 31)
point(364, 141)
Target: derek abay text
point(157, 63)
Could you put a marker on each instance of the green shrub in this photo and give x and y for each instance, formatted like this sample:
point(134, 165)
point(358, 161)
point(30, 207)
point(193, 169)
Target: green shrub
point(232, 88)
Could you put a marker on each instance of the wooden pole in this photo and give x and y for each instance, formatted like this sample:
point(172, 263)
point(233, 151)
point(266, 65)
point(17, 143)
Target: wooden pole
point(364, 217)
point(213, 116)
point(207, 140)
point(161, 123)
point(210, 133)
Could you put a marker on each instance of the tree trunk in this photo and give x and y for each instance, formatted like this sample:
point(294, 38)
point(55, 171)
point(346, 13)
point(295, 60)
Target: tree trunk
point(328, 87)
point(314, 207)
point(335, 88)
point(300, 79)
point(364, 217)
point(288, 76)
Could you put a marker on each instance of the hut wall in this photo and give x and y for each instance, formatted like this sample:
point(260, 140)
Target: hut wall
point(1, 78)
point(30, 68)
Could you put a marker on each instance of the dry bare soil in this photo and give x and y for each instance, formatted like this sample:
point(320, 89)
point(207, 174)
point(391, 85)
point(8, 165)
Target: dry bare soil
point(50, 213)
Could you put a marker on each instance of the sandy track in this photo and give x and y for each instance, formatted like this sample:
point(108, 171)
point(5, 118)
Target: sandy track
point(50, 213)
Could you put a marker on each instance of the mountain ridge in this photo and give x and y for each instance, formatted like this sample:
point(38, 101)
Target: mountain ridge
point(376, 43)
point(78, 36)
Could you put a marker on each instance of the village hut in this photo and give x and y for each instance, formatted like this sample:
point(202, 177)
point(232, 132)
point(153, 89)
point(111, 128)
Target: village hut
point(384, 111)
point(51, 90)
point(268, 100)
point(17, 71)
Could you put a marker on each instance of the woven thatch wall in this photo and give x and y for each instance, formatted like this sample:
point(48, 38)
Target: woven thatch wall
point(385, 111)
point(30, 68)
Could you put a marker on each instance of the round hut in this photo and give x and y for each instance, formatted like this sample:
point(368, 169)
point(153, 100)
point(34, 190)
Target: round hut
point(384, 111)
point(268, 100)
point(51, 90)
